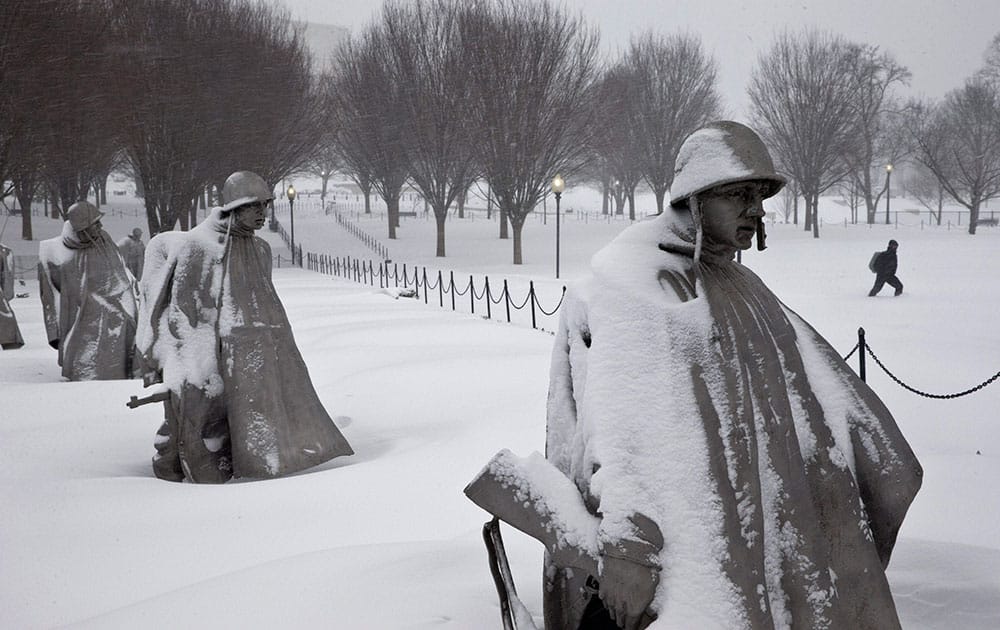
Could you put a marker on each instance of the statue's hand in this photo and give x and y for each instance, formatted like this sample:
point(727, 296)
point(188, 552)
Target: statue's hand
point(627, 589)
point(630, 573)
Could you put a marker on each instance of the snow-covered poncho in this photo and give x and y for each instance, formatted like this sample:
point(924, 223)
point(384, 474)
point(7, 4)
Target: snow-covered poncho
point(688, 393)
point(213, 327)
point(10, 334)
point(89, 305)
point(133, 252)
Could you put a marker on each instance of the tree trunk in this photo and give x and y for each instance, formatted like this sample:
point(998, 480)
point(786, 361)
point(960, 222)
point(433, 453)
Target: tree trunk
point(631, 205)
point(504, 217)
point(24, 197)
point(660, 194)
point(815, 215)
point(795, 209)
point(973, 214)
point(461, 203)
point(605, 193)
point(392, 212)
point(516, 225)
point(440, 214)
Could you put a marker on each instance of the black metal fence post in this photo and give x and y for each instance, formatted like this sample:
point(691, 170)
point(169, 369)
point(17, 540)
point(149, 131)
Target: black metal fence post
point(451, 287)
point(440, 290)
point(489, 309)
point(861, 353)
point(506, 298)
point(472, 295)
point(531, 298)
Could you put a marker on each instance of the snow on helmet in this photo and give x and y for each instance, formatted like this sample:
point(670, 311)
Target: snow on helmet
point(243, 187)
point(83, 214)
point(722, 152)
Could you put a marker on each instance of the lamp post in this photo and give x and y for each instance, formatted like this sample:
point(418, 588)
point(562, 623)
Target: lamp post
point(558, 186)
point(290, 193)
point(888, 174)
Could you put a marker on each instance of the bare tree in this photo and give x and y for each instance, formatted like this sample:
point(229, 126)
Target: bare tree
point(325, 162)
point(674, 93)
point(926, 188)
point(428, 61)
point(25, 43)
point(876, 139)
point(532, 70)
point(959, 141)
point(270, 128)
point(615, 136)
point(366, 111)
point(801, 95)
point(991, 61)
point(203, 103)
point(73, 118)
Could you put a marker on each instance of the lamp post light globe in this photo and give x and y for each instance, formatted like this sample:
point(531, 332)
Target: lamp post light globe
point(558, 186)
point(290, 193)
point(888, 174)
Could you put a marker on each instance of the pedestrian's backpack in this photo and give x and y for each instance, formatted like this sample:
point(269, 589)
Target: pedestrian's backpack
point(871, 263)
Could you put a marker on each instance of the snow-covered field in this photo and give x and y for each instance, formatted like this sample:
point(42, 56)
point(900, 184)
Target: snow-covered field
point(385, 539)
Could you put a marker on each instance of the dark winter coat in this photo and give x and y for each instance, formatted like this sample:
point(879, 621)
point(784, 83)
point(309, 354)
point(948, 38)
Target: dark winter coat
point(885, 263)
point(685, 391)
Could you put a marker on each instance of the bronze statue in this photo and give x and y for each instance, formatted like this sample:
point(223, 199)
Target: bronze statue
point(213, 330)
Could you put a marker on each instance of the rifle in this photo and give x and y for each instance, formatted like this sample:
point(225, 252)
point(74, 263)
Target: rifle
point(135, 402)
point(535, 497)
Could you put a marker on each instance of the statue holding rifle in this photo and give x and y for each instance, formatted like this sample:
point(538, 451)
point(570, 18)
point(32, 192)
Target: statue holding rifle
point(238, 398)
point(711, 461)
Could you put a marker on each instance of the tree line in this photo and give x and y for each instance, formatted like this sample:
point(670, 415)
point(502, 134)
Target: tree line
point(444, 95)
point(181, 93)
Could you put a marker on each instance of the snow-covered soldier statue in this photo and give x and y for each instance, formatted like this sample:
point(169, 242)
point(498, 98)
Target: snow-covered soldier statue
point(133, 251)
point(10, 334)
point(89, 299)
point(212, 329)
point(735, 472)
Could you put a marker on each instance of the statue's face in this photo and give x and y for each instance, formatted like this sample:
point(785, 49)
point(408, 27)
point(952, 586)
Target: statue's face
point(251, 216)
point(90, 233)
point(729, 213)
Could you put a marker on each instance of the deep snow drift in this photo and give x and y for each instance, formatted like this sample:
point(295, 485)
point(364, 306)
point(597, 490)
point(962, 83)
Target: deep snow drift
point(385, 539)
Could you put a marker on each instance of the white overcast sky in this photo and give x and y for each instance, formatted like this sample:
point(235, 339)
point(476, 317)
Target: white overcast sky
point(940, 41)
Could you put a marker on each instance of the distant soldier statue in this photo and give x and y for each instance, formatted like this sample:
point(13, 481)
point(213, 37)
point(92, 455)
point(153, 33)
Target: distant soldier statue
point(721, 466)
point(10, 334)
point(214, 332)
point(133, 251)
point(89, 299)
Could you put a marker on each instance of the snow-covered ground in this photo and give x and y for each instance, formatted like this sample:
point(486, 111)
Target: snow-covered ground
point(385, 539)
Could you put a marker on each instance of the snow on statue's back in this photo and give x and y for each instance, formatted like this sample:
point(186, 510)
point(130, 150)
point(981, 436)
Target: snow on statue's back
point(688, 405)
point(213, 331)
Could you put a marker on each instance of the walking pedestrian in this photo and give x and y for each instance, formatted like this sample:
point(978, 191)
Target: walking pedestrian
point(884, 266)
